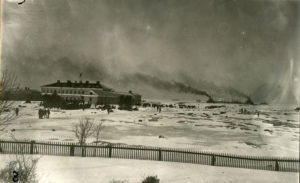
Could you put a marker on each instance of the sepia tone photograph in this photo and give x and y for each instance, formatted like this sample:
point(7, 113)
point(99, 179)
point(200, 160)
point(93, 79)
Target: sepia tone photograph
point(149, 91)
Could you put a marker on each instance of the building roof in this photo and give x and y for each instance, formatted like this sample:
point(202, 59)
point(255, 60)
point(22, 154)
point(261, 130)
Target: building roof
point(105, 91)
point(76, 84)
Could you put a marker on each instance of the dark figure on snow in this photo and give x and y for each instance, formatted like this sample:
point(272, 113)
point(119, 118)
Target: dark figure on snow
point(159, 108)
point(17, 111)
point(40, 113)
point(243, 111)
point(43, 113)
point(258, 114)
point(47, 113)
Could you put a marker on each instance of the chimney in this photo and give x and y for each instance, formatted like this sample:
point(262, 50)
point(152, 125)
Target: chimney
point(87, 82)
point(98, 83)
point(58, 81)
point(130, 91)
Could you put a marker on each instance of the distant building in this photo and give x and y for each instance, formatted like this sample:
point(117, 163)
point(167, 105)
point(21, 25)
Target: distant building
point(22, 94)
point(89, 93)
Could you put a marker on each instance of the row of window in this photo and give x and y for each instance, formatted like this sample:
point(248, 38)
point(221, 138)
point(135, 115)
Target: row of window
point(65, 91)
point(76, 98)
point(72, 98)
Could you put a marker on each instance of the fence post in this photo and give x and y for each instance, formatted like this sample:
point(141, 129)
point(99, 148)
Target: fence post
point(83, 150)
point(1, 147)
point(109, 151)
point(72, 150)
point(213, 160)
point(31, 146)
point(276, 166)
point(159, 154)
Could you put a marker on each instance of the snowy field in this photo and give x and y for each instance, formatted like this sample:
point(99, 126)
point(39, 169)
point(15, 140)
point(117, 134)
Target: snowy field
point(274, 133)
point(51, 169)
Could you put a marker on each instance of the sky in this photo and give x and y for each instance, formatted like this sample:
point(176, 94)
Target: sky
point(249, 46)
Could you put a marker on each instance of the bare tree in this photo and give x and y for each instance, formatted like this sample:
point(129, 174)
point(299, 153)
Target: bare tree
point(83, 130)
point(22, 169)
point(97, 131)
point(8, 81)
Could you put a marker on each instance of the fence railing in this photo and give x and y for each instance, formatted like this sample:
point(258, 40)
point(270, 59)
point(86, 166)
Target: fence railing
point(150, 153)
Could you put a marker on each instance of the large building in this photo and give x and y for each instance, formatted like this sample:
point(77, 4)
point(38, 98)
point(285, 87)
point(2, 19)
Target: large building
point(89, 93)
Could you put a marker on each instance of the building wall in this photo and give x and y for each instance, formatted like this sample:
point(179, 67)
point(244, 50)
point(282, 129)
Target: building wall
point(89, 95)
point(108, 100)
point(137, 99)
point(67, 91)
point(72, 94)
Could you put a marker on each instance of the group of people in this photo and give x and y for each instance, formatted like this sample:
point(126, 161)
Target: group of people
point(44, 113)
point(244, 111)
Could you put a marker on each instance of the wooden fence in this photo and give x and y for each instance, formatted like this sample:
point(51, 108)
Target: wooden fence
point(150, 153)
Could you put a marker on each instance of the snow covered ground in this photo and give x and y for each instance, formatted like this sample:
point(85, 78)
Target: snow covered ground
point(274, 133)
point(51, 169)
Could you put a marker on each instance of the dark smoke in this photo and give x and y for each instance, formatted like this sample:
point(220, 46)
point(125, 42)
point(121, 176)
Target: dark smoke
point(163, 84)
point(229, 94)
point(228, 43)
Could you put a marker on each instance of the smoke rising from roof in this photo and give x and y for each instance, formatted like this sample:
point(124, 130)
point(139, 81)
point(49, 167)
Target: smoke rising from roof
point(227, 43)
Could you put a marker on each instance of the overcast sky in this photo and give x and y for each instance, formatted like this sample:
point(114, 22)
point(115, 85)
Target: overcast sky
point(252, 46)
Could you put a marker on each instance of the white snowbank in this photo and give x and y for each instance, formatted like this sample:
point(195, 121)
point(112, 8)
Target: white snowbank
point(53, 169)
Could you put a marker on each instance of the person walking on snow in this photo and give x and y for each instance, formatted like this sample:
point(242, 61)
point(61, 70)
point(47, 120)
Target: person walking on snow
point(48, 113)
point(17, 111)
